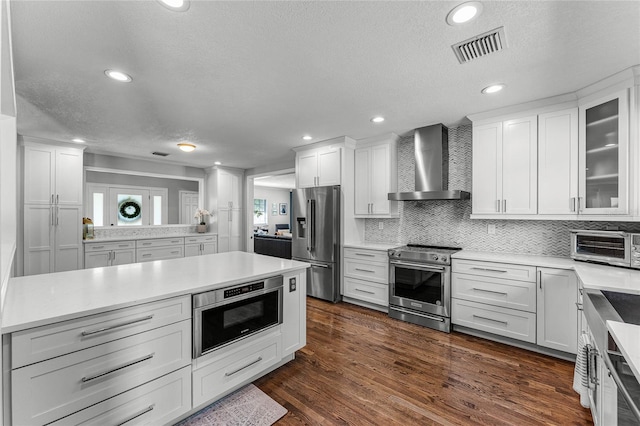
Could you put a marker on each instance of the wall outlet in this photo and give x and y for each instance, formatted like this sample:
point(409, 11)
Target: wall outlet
point(292, 284)
point(381, 225)
point(491, 229)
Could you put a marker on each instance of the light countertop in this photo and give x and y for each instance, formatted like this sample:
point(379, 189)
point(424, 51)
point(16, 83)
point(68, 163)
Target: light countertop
point(148, 237)
point(36, 300)
point(627, 337)
point(372, 246)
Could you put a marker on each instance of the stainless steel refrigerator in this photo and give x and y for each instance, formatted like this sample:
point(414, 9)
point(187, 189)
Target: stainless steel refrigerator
point(316, 239)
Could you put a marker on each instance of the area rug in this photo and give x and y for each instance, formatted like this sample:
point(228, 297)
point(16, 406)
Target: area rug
point(248, 406)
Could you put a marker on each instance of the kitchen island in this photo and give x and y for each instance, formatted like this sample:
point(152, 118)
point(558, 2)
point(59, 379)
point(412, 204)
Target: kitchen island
point(108, 343)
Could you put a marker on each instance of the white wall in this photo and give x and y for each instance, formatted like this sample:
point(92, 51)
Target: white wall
point(274, 195)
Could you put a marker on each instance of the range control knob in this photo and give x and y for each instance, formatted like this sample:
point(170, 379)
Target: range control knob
point(444, 258)
point(435, 257)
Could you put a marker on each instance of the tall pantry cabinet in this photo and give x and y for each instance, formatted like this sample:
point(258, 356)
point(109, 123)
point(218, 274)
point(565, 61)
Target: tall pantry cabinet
point(52, 184)
point(229, 209)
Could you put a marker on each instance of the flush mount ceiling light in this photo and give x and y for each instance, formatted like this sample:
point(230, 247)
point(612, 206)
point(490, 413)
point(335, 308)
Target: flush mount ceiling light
point(186, 147)
point(175, 5)
point(78, 140)
point(377, 119)
point(118, 76)
point(307, 137)
point(465, 12)
point(494, 88)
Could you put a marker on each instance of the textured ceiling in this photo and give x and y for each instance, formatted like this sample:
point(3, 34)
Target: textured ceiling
point(245, 80)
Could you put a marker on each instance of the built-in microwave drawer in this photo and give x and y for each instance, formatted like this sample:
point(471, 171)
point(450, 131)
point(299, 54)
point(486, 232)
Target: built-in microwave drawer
point(49, 341)
point(49, 390)
point(494, 291)
point(494, 269)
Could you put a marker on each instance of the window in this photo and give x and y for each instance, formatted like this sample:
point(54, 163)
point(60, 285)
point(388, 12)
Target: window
point(259, 212)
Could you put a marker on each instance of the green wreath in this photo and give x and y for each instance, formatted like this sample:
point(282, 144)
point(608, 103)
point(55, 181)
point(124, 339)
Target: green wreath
point(129, 210)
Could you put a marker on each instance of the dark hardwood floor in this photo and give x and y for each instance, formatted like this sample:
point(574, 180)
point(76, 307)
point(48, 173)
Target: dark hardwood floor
point(361, 367)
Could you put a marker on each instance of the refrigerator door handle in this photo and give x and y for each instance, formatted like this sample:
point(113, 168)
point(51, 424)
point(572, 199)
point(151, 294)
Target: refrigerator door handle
point(311, 230)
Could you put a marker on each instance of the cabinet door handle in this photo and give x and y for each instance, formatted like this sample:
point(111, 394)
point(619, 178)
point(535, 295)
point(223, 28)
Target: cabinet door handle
point(242, 368)
point(489, 269)
point(51, 198)
point(57, 216)
point(580, 204)
point(113, 370)
point(504, 206)
point(51, 215)
point(540, 279)
point(490, 291)
point(57, 198)
point(135, 416)
point(111, 327)
point(572, 204)
point(365, 291)
point(490, 319)
point(497, 206)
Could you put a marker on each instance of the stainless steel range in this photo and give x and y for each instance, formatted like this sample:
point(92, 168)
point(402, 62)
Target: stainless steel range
point(420, 285)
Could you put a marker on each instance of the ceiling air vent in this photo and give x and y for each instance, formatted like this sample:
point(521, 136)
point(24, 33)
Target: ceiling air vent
point(161, 154)
point(481, 45)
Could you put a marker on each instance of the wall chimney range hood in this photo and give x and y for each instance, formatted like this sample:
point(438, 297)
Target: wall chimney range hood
point(432, 168)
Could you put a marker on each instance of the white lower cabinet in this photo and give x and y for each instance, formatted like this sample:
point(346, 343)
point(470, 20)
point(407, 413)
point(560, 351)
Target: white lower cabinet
point(199, 245)
point(52, 389)
point(366, 276)
point(109, 254)
point(557, 314)
point(227, 369)
point(159, 249)
point(535, 305)
point(157, 402)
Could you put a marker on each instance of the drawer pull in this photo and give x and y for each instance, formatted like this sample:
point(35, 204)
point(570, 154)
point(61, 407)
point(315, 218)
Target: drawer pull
point(490, 291)
point(365, 291)
point(175, 252)
point(113, 370)
point(365, 270)
point(365, 254)
point(242, 368)
point(122, 324)
point(146, 244)
point(97, 247)
point(489, 269)
point(490, 319)
point(146, 255)
point(123, 245)
point(135, 416)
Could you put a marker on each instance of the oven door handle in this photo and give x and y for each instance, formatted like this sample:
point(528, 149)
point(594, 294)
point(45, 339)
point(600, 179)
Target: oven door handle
point(419, 314)
point(418, 266)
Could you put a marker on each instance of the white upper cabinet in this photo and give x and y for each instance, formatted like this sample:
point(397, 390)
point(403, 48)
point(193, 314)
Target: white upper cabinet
point(504, 167)
point(604, 155)
point(52, 175)
point(318, 167)
point(375, 177)
point(558, 162)
point(229, 189)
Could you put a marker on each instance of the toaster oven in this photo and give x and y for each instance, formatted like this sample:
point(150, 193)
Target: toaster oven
point(615, 248)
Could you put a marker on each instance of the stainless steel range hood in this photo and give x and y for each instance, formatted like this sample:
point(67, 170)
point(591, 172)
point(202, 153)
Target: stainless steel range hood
point(432, 168)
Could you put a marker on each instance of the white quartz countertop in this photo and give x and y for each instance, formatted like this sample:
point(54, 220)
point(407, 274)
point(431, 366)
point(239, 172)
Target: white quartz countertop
point(372, 246)
point(148, 237)
point(627, 337)
point(37, 300)
point(516, 259)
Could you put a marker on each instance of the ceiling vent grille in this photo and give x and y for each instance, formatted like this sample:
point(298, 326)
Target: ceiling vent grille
point(481, 45)
point(160, 154)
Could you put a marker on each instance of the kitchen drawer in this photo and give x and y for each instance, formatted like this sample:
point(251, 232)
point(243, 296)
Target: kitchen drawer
point(159, 242)
point(370, 271)
point(367, 291)
point(200, 239)
point(511, 323)
point(158, 402)
point(38, 344)
point(497, 270)
point(49, 390)
point(368, 255)
point(118, 245)
point(159, 253)
point(233, 368)
point(494, 291)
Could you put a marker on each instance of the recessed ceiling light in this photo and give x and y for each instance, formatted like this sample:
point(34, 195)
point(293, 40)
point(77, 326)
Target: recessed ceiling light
point(217, 163)
point(464, 13)
point(175, 5)
point(186, 147)
point(78, 140)
point(377, 119)
point(307, 137)
point(118, 76)
point(493, 88)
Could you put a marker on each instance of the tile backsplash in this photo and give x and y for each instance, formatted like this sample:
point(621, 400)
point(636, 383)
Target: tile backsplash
point(447, 222)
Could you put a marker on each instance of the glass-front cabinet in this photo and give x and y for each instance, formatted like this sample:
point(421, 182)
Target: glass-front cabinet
point(604, 154)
